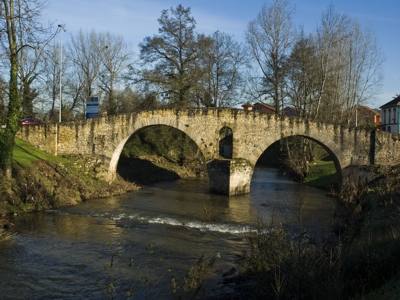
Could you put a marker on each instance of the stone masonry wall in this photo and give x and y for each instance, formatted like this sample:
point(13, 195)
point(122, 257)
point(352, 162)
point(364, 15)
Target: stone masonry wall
point(253, 133)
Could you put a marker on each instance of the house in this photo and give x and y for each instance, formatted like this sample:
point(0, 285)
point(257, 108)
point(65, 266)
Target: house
point(390, 116)
point(377, 118)
point(247, 106)
point(262, 107)
point(290, 111)
point(259, 107)
point(367, 117)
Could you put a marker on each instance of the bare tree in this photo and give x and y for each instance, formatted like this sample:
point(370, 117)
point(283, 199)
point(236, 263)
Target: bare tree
point(51, 76)
point(303, 77)
point(349, 67)
point(74, 84)
point(222, 60)
point(85, 66)
point(114, 57)
point(270, 37)
point(32, 52)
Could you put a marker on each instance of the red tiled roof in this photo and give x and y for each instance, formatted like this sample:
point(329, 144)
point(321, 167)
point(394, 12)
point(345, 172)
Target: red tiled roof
point(265, 105)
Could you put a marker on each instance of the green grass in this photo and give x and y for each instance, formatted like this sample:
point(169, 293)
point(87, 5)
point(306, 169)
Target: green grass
point(322, 175)
point(25, 155)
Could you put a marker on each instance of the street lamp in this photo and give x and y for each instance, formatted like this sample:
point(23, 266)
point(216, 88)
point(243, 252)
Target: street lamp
point(61, 28)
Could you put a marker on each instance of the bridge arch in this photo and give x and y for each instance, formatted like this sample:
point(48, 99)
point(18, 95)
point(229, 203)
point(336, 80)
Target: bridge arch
point(119, 148)
point(333, 154)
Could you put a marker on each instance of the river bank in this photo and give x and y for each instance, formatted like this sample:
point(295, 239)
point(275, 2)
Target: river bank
point(43, 181)
point(359, 260)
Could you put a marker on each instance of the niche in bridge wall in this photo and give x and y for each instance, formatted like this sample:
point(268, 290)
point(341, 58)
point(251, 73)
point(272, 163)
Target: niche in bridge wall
point(226, 142)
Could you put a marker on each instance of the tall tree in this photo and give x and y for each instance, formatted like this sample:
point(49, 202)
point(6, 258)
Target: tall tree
point(22, 30)
point(85, 59)
point(114, 58)
point(303, 77)
point(170, 59)
point(222, 60)
point(349, 64)
point(29, 71)
point(51, 74)
point(7, 141)
point(269, 37)
point(33, 38)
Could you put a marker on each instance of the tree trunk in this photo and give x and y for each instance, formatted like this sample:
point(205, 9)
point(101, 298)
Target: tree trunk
point(7, 140)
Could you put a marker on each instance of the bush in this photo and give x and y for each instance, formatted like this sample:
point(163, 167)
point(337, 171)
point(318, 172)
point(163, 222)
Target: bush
point(291, 267)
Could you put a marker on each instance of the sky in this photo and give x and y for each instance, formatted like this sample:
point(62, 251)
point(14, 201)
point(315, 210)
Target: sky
point(136, 19)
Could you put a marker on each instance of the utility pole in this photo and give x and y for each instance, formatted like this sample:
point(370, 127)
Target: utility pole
point(61, 28)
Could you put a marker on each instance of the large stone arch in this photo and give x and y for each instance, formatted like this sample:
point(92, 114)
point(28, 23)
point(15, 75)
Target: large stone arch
point(146, 123)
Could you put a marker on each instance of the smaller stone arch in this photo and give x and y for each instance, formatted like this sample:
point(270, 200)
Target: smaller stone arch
point(332, 153)
point(226, 142)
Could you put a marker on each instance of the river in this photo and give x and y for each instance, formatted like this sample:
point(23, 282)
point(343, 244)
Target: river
point(131, 246)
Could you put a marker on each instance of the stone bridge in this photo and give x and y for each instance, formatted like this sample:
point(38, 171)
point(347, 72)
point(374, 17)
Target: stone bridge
point(253, 133)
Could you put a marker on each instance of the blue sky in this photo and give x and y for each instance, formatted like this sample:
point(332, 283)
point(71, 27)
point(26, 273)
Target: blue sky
point(135, 19)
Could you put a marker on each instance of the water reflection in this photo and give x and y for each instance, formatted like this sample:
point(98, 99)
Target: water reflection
point(64, 225)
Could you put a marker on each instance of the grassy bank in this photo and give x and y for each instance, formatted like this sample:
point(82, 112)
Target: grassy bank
point(25, 155)
point(322, 174)
point(41, 181)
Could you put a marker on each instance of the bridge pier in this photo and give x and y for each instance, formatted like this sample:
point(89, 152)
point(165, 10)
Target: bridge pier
point(230, 176)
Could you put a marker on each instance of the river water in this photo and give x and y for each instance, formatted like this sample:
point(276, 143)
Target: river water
point(133, 246)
